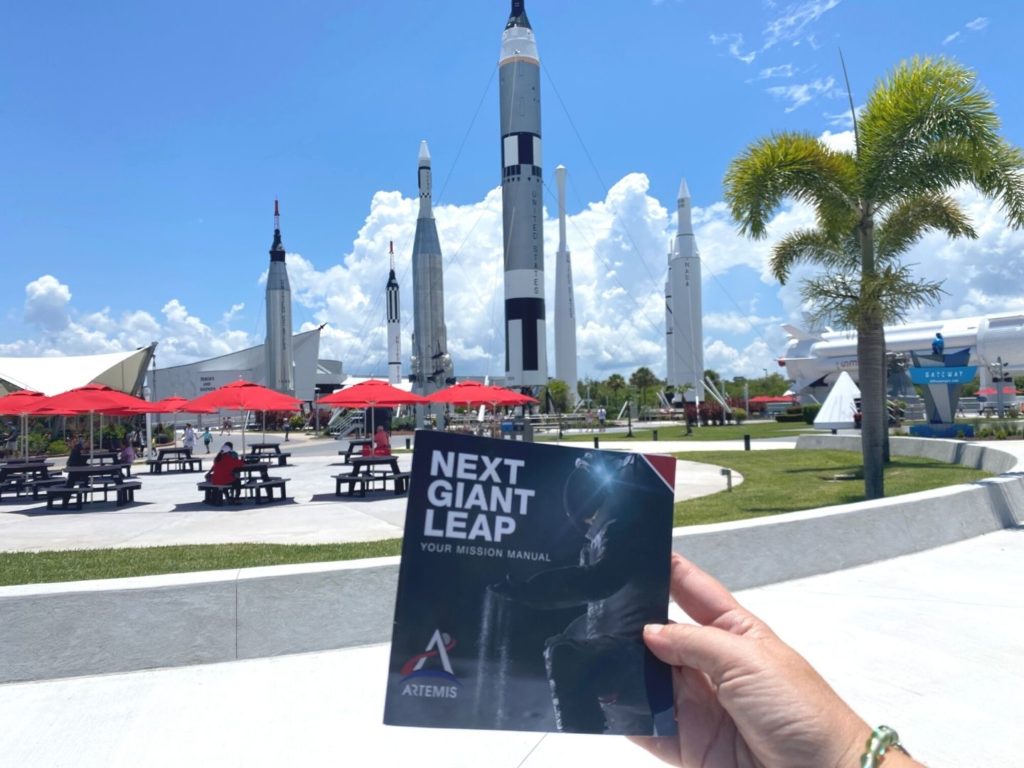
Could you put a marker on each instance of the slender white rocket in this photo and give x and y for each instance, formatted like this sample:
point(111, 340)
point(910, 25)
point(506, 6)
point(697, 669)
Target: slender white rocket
point(685, 328)
point(565, 304)
point(394, 318)
point(280, 359)
point(431, 365)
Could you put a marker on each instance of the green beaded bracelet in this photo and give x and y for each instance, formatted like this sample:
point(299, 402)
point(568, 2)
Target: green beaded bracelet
point(883, 738)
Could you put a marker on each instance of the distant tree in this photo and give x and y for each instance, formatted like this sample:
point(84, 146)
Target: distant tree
point(924, 131)
point(643, 378)
point(558, 391)
point(615, 384)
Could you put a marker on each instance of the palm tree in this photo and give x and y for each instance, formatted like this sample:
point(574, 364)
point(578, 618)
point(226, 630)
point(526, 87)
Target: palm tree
point(643, 379)
point(616, 384)
point(925, 130)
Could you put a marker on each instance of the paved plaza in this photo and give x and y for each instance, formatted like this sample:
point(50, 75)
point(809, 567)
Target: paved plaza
point(170, 510)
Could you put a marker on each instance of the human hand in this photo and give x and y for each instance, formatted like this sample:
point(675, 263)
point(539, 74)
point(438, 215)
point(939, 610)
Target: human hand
point(742, 696)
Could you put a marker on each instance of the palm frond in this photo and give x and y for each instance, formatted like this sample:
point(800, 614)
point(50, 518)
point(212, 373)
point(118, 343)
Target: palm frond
point(790, 165)
point(928, 127)
point(908, 220)
point(808, 246)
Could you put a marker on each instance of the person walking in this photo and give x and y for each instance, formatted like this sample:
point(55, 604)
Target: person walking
point(188, 440)
point(207, 438)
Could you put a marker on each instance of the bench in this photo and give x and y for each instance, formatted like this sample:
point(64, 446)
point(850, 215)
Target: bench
point(124, 493)
point(361, 483)
point(182, 464)
point(356, 484)
point(282, 458)
point(35, 486)
point(215, 494)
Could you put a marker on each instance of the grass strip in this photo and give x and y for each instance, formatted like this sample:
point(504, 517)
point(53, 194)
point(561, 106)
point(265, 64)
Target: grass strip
point(788, 480)
point(77, 565)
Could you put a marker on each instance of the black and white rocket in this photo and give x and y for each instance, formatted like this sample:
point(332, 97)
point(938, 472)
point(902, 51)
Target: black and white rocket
point(522, 194)
point(278, 345)
point(684, 327)
point(432, 367)
point(565, 303)
point(394, 317)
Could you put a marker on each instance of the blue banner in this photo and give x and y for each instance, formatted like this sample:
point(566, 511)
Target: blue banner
point(943, 375)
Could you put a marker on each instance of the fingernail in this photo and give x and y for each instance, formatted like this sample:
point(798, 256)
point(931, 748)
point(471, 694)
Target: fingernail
point(653, 629)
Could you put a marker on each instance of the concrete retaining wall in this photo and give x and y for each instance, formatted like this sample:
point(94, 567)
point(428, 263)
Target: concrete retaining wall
point(84, 628)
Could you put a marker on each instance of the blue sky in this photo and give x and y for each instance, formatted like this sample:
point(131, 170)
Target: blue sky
point(142, 145)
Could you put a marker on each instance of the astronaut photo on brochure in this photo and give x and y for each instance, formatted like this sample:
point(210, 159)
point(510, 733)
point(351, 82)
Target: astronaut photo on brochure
point(597, 666)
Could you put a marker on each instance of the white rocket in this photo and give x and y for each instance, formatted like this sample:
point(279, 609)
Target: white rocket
point(522, 202)
point(431, 365)
point(280, 359)
point(815, 360)
point(684, 327)
point(394, 317)
point(565, 304)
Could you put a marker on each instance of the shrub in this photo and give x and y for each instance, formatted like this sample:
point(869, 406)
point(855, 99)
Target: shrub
point(739, 415)
point(57, 448)
point(792, 414)
point(809, 412)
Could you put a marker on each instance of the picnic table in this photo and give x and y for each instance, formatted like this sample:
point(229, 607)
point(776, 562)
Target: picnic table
point(364, 475)
point(353, 444)
point(24, 476)
point(269, 451)
point(179, 458)
point(85, 483)
point(254, 478)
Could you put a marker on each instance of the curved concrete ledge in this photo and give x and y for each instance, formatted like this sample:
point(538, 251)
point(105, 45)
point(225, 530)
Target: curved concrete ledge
point(85, 628)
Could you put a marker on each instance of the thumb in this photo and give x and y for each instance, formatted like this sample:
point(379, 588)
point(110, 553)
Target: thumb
point(711, 650)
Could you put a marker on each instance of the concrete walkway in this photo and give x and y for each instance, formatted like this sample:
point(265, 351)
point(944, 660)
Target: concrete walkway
point(169, 508)
point(929, 643)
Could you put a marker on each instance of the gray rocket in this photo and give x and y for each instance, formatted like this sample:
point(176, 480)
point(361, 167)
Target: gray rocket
point(565, 304)
point(431, 365)
point(522, 194)
point(394, 318)
point(684, 331)
point(278, 344)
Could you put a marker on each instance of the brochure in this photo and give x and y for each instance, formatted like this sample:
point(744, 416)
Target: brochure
point(528, 572)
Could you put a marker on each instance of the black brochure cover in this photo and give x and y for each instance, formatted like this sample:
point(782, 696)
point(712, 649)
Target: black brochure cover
point(528, 572)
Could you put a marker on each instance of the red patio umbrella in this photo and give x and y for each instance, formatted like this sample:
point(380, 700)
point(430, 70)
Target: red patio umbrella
point(1008, 389)
point(473, 393)
point(22, 403)
point(244, 395)
point(372, 393)
point(92, 398)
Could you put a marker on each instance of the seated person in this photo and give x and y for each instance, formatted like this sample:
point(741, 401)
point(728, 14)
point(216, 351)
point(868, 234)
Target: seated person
point(77, 457)
point(381, 443)
point(223, 473)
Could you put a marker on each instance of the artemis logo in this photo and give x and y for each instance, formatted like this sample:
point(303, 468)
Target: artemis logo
point(429, 674)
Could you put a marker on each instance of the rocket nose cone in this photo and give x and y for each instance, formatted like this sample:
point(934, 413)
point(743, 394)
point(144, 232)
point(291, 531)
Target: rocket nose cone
point(684, 191)
point(424, 153)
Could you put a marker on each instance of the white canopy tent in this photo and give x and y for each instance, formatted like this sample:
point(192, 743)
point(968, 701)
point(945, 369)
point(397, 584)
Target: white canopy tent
point(839, 407)
point(123, 371)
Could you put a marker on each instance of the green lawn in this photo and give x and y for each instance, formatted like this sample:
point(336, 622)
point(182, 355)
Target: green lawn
point(774, 482)
point(789, 480)
point(76, 565)
point(756, 429)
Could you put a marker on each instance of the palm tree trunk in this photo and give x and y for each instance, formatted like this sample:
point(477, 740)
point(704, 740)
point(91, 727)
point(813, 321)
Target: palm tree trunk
point(870, 341)
point(884, 364)
point(871, 365)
